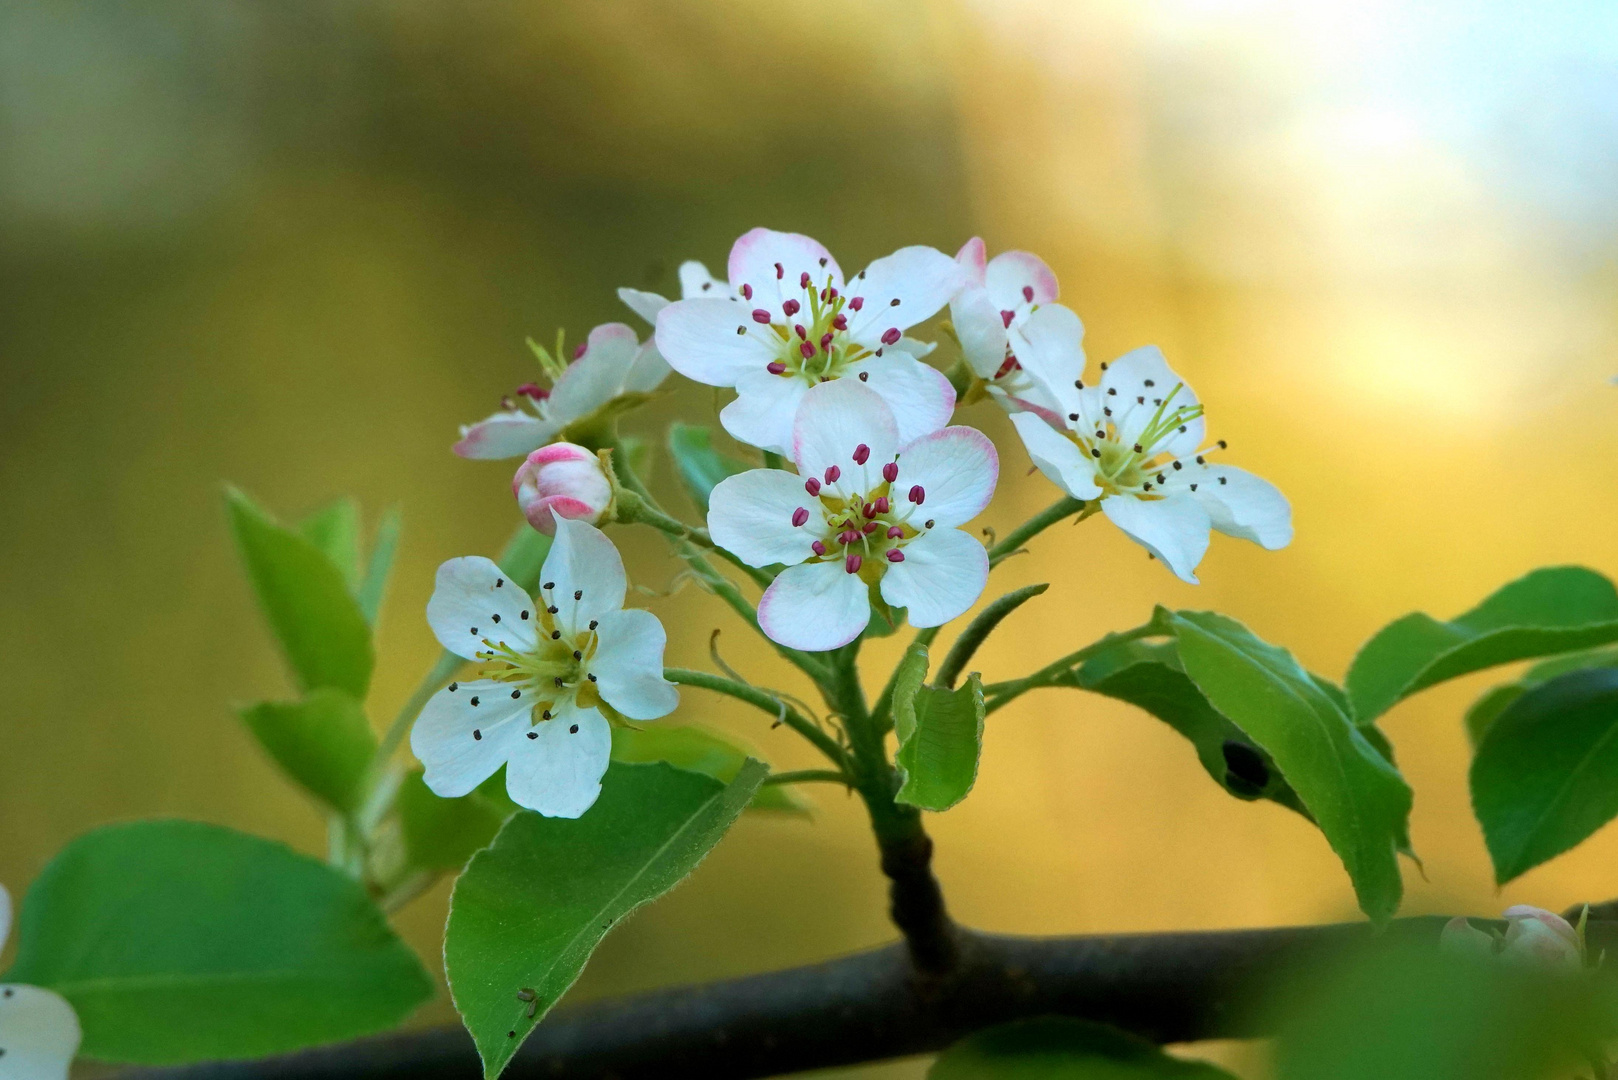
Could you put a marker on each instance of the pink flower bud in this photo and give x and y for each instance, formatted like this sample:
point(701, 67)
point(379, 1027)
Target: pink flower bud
point(890, 471)
point(1541, 939)
point(561, 480)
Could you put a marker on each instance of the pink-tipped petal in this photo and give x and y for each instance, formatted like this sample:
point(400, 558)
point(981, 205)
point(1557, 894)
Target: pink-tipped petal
point(815, 606)
point(1012, 276)
point(833, 419)
point(942, 574)
point(957, 469)
point(755, 256)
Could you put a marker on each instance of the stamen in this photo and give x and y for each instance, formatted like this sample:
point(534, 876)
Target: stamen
point(852, 564)
point(862, 454)
point(895, 555)
point(761, 316)
point(895, 532)
point(1028, 293)
point(832, 473)
point(891, 336)
point(840, 322)
point(791, 307)
point(807, 350)
point(799, 516)
point(825, 342)
point(803, 335)
point(882, 505)
point(918, 494)
point(803, 280)
point(812, 486)
point(818, 548)
point(869, 510)
point(890, 471)
point(1006, 317)
point(856, 303)
point(779, 272)
point(776, 367)
point(747, 292)
point(533, 391)
point(578, 353)
point(869, 527)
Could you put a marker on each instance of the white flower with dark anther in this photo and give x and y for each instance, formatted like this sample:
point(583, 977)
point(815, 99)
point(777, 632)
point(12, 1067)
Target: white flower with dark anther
point(552, 665)
point(1001, 293)
point(610, 363)
point(793, 323)
point(561, 480)
point(39, 1031)
point(864, 509)
point(695, 281)
point(1135, 441)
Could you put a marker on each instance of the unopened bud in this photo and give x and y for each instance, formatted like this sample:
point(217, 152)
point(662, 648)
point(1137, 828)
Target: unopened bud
point(564, 480)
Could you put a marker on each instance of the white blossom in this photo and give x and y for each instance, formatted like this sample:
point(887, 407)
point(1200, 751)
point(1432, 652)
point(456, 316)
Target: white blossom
point(1135, 440)
point(552, 664)
point(1000, 294)
point(865, 509)
point(609, 364)
point(39, 1031)
point(695, 281)
point(561, 480)
point(792, 322)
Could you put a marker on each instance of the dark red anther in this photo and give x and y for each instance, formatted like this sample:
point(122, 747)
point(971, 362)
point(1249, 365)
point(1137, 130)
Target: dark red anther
point(812, 486)
point(776, 367)
point(918, 495)
point(831, 292)
point(1006, 317)
point(868, 528)
point(832, 473)
point(895, 555)
point(856, 303)
point(894, 532)
point(890, 471)
point(807, 350)
point(799, 516)
point(869, 510)
point(862, 454)
point(803, 280)
point(848, 536)
point(840, 322)
point(779, 272)
point(882, 504)
point(891, 336)
point(818, 548)
point(822, 293)
point(825, 342)
point(747, 291)
point(803, 335)
point(761, 316)
point(534, 391)
point(1028, 293)
point(579, 350)
point(852, 564)
point(790, 307)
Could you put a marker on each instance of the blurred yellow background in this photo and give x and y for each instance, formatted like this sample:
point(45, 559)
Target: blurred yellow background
point(292, 246)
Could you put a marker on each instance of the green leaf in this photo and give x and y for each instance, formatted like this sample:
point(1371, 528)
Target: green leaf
point(529, 910)
point(1059, 1048)
point(1546, 774)
point(703, 750)
point(335, 530)
point(939, 758)
point(1149, 676)
point(524, 556)
point(440, 833)
point(907, 680)
point(1484, 711)
point(177, 941)
point(700, 466)
point(1355, 795)
point(375, 583)
point(1549, 611)
point(323, 742)
point(321, 629)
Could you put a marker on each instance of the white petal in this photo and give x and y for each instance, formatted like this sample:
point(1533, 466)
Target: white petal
point(644, 304)
point(1243, 505)
point(597, 376)
point(920, 397)
point(462, 744)
point(558, 771)
point(764, 409)
point(912, 347)
point(901, 290)
point(750, 516)
point(1057, 456)
point(39, 1033)
point(647, 370)
point(971, 259)
point(473, 602)
point(5, 916)
point(956, 468)
point(942, 575)
point(505, 435)
point(1011, 272)
point(699, 340)
point(773, 263)
point(628, 665)
point(815, 606)
point(1174, 529)
point(981, 330)
point(1050, 346)
point(695, 281)
point(1135, 402)
point(585, 575)
point(833, 421)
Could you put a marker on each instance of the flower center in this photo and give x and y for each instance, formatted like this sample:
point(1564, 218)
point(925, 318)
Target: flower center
point(809, 333)
point(1141, 466)
point(557, 669)
point(865, 517)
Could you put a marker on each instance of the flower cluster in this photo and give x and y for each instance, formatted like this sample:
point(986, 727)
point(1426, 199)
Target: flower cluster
point(869, 517)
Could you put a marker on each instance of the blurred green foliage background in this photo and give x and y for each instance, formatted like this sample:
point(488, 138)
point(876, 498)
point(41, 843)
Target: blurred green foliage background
point(293, 246)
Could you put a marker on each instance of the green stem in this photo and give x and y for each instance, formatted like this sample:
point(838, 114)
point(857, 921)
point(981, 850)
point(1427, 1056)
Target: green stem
point(766, 702)
point(960, 653)
point(808, 776)
point(999, 694)
point(640, 509)
point(1064, 507)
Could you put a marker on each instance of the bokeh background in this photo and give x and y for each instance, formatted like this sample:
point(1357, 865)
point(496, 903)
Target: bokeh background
point(292, 246)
